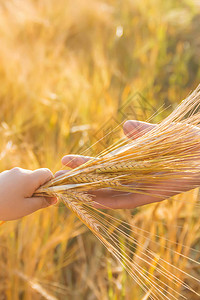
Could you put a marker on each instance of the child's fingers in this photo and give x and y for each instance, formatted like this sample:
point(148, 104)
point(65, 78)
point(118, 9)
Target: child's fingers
point(33, 204)
point(73, 161)
point(28, 206)
point(134, 129)
point(40, 177)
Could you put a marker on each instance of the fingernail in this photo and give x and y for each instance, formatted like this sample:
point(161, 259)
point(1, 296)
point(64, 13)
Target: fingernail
point(58, 173)
point(52, 201)
point(128, 125)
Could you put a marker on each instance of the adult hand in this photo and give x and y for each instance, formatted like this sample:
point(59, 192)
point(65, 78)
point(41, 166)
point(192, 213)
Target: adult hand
point(107, 198)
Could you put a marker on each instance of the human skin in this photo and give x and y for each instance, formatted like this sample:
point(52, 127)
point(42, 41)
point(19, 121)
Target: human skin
point(106, 198)
point(16, 189)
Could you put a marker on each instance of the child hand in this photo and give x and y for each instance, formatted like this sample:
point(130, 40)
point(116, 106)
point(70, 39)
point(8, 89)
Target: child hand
point(16, 189)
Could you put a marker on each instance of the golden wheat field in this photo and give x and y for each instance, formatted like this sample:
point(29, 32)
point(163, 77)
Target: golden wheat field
point(71, 73)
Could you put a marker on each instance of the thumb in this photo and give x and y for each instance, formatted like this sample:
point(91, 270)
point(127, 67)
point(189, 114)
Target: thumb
point(134, 129)
point(36, 179)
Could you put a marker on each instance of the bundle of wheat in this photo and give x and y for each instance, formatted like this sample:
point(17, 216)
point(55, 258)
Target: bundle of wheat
point(162, 162)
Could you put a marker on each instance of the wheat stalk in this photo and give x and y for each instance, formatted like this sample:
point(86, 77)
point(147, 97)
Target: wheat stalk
point(171, 150)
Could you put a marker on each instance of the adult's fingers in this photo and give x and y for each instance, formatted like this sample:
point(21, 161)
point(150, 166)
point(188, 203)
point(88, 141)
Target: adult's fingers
point(61, 172)
point(120, 200)
point(147, 193)
point(134, 129)
point(73, 161)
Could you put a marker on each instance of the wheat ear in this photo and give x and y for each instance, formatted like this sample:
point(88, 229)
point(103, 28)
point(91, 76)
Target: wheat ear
point(74, 202)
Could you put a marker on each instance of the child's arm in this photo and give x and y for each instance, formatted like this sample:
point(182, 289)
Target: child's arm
point(16, 189)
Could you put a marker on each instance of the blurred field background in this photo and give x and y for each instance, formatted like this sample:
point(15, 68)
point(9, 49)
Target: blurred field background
point(66, 67)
